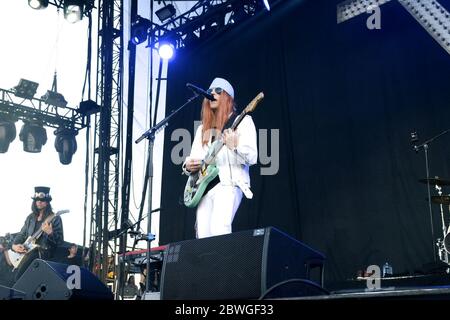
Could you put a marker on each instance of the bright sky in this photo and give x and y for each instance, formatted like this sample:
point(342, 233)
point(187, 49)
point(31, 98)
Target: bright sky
point(34, 44)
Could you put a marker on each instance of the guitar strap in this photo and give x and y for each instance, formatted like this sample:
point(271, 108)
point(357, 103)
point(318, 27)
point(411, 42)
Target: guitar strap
point(227, 125)
point(230, 121)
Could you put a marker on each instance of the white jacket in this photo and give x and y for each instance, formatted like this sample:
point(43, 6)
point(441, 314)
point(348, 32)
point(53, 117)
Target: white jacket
point(233, 165)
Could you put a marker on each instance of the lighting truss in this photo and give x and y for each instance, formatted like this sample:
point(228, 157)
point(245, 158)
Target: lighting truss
point(352, 8)
point(222, 13)
point(37, 109)
point(89, 5)
point(430, 14)
point(433, 17)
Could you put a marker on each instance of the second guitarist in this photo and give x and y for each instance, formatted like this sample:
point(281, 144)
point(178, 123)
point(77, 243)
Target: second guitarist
point(52, 235)
point(217, 208)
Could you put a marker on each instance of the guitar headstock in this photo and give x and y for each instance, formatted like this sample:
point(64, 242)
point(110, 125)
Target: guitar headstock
point(252, 105)
point(54, 215)
point(60, 212)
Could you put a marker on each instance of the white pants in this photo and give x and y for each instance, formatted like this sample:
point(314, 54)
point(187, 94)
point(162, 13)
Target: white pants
point(216, 211)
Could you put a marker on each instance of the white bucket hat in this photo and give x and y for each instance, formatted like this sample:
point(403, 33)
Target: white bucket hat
point(224, 84)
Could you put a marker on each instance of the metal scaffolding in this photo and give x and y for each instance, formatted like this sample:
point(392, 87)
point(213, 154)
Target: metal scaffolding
point(106, 158)
point(18, 108)
point(204, 20)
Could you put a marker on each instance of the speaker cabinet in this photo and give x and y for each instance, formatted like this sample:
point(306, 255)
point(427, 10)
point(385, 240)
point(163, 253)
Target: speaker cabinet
point(240, 265)
point(7, 293)
point(45, 280)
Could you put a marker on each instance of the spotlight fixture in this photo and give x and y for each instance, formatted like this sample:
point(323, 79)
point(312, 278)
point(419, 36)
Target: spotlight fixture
point(54, 99)
point(166, 12)
point(7, 134)
point(65, 144)
point(25, 89)
point(266, 4)
point(88, 107)
point(139, 30)
point(73, 10)
point(33, 136)
point(38, 4)
point(166, 50)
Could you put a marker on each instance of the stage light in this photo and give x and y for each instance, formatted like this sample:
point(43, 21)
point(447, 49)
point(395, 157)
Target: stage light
point(266, 4)
point(73, 10)
point(38, 4)
point(166, 12)
point(88, 107)
point(25, 89)
point(139, 30)
point(7, 134)
point(65, 144)
point(166, 50)
point(54, 99)
point(33, 136)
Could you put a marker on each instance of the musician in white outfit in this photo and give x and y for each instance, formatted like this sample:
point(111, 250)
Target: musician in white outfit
point(217, 208)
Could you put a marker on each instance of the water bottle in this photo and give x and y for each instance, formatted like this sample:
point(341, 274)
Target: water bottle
point(387, 270)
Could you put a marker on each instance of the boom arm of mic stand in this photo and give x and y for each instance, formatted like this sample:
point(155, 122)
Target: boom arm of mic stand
point(150, 133)
point(125, 230)
point(416, 148)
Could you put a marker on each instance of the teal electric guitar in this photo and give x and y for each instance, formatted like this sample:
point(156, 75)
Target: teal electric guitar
point(197, 182)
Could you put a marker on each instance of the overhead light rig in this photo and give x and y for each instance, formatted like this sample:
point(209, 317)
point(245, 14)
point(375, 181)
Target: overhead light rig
point(74, 10)
point(203, 20)
point(37, 109)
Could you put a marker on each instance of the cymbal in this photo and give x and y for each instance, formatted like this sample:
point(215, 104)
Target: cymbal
point(435, 181)
point(441, 199)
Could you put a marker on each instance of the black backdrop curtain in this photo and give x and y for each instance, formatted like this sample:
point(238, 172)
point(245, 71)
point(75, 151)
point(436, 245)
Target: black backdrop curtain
point(345, 100)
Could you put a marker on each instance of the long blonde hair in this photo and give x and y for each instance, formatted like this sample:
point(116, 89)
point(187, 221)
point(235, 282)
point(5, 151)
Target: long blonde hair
point(216, 120)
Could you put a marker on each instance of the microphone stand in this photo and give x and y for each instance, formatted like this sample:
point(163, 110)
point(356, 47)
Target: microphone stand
point(125, 230)
point(424, 145)
point(150, 135)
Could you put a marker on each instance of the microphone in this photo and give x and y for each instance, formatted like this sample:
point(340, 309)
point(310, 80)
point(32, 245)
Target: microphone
point(200, 91)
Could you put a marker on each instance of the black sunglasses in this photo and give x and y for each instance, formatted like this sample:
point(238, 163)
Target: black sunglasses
point(216, 90)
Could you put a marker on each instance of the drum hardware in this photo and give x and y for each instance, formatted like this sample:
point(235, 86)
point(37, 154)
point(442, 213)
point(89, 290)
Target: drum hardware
point(443, 244)
point(436, 181)
point(439, 190)
point(441, 250)
point(414, 139)
point(441, 199)
point(447, 240)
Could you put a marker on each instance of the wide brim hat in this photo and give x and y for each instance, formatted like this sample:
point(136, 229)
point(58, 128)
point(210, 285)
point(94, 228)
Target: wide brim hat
point(42, 194)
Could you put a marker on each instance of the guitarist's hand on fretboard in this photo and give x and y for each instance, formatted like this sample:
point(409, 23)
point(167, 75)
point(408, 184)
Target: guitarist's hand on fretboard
point(47, 228)
point(193, 165)
point(230, 138)
point(19, 248)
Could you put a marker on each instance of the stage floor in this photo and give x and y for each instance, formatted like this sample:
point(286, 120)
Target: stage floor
point(424, 293)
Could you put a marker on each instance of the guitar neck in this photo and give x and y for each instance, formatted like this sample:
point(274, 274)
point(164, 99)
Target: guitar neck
point(217, 146)
point(238, 120)
point(39, 232)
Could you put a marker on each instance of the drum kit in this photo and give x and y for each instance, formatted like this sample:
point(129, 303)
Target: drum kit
point(443, 243)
